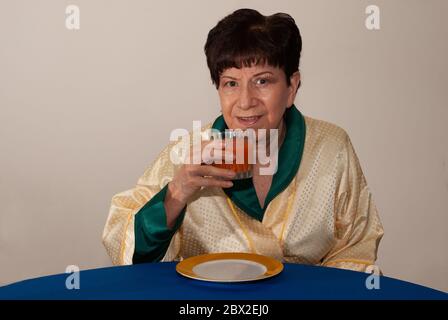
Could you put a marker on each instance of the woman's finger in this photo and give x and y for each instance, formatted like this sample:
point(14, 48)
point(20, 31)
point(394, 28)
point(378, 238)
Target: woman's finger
point(208, 170)
point(212, 182)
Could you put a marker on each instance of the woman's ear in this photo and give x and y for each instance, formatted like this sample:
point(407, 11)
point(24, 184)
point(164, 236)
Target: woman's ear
point(293, 87)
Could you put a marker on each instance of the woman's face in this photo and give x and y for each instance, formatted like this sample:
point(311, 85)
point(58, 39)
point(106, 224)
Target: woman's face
point(256, 97)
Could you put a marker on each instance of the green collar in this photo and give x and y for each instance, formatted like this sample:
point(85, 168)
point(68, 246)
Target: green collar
point(243, 192)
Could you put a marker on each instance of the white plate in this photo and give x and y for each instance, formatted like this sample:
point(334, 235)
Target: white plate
point(229, 267)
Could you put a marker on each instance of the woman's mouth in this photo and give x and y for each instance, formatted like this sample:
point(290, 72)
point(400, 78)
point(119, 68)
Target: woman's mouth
point(248, 121)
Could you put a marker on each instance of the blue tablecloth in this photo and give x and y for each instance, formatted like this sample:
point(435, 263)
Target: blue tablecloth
point(160, 281)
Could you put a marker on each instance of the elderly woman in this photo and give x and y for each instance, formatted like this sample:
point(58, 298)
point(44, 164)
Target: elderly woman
point(315, 209)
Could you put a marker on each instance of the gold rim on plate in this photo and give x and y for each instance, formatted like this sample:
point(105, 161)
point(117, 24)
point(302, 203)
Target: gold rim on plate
point(273, 266)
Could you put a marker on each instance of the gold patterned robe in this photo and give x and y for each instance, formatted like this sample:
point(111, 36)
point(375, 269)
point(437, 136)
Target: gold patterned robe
point(325, 216)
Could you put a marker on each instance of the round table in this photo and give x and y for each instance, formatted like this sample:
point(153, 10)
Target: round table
point(161, 281)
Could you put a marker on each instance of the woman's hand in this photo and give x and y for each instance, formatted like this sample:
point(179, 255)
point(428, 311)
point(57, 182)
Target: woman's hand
point(190, 178)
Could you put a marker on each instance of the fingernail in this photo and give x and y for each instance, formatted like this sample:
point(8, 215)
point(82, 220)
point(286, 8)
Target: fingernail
point(231, 173)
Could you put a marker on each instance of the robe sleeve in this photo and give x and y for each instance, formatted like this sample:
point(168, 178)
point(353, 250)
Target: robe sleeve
point(357, 227)
point(152, 236)
point(136, 225)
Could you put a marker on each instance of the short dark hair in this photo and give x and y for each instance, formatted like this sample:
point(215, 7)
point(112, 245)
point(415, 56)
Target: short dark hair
point(246, 37)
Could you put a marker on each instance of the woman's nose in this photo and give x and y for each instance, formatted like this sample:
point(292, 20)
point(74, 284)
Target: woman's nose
point(246, 97)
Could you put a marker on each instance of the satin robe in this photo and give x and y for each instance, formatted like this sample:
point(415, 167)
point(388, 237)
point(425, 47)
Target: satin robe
point(326, 215)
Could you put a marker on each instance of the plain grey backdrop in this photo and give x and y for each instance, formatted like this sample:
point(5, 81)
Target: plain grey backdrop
point(83, 112)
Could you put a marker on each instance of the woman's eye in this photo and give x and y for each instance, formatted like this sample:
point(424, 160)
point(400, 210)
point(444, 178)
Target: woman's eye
point(262, 81)
point(230, 84)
